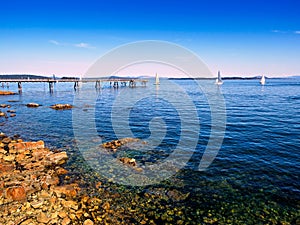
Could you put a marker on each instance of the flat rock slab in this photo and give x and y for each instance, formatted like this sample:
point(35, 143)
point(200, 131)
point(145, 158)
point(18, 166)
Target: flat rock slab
point(7, 93)
point(61, 106)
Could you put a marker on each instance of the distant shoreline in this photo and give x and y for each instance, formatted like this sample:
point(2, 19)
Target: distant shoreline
point(28, 76)
point(234, 78)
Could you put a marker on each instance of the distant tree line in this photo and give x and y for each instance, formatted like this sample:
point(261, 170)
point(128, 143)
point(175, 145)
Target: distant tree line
point(22, 76)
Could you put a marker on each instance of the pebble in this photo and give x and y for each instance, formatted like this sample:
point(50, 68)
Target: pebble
point(88, 222)
point(37, 204)
point(62, 214)
point(9, 158)
point(43, 218)
point(66, 221)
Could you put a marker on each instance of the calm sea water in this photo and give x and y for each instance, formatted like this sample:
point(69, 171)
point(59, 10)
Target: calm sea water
point(255, 177)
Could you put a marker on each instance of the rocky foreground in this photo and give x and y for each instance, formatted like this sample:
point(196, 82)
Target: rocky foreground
point(30, 190)
point(34, 190)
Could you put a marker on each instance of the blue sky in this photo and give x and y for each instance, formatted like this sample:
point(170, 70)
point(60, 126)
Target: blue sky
point(65, 37)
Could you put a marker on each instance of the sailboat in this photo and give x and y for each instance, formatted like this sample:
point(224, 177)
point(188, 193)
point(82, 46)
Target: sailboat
point(219, 79)
point(156, 79)
point(263, 80)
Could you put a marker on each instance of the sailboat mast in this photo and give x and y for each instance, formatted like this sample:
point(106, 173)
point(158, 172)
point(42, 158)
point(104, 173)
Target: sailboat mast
point(263, 80)
point(219, 79)
point(156, 79)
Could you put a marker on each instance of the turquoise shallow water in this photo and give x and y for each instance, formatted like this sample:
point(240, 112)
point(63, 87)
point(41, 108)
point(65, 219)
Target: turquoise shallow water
point(254, 178)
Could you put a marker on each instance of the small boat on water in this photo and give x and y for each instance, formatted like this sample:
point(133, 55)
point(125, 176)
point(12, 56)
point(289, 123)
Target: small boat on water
point(263, 80)
point(156, 79)
point(219, 79)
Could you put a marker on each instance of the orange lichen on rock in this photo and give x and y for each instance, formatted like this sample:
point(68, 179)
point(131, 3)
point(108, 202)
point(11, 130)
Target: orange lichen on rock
point(16, 193)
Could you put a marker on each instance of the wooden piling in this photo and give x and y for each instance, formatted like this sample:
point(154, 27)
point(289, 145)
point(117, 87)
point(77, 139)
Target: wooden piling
point(20, 85)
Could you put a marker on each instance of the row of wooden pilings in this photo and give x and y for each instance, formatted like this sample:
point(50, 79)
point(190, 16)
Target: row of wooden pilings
point(98, 83)
point(114, 84)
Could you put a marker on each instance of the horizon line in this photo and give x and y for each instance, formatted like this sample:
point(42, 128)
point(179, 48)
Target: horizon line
point(150, 76)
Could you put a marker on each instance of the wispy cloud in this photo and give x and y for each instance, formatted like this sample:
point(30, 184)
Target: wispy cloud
point(55, 42)
point(286, 32)
point(78, 45)
point(279, 31)
point(83, 45)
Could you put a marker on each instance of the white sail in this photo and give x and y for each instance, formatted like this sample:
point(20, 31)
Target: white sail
point(156, 79)
point(219, 79)
point(263, 80)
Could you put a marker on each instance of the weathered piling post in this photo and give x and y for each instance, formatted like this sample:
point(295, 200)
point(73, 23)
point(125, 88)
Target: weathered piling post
point(98, 84)
point(132, 83)
point(144, 83)
point(76, 85)
point(19, 85)
point(116, 84)
point(50, 86)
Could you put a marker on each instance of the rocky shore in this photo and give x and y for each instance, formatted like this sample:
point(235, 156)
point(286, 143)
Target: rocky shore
point(35, 188)
point(30, 190)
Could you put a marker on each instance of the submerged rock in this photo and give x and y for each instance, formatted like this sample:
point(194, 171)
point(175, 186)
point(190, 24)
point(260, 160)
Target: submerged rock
point(58, 158)
point(3, 114)
point(176, 195)
point(7, 93)
point(32, 105)
point(115, 144)
point(61, 106)
point(128, 161)
point(13, 100)
point(4, 105)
